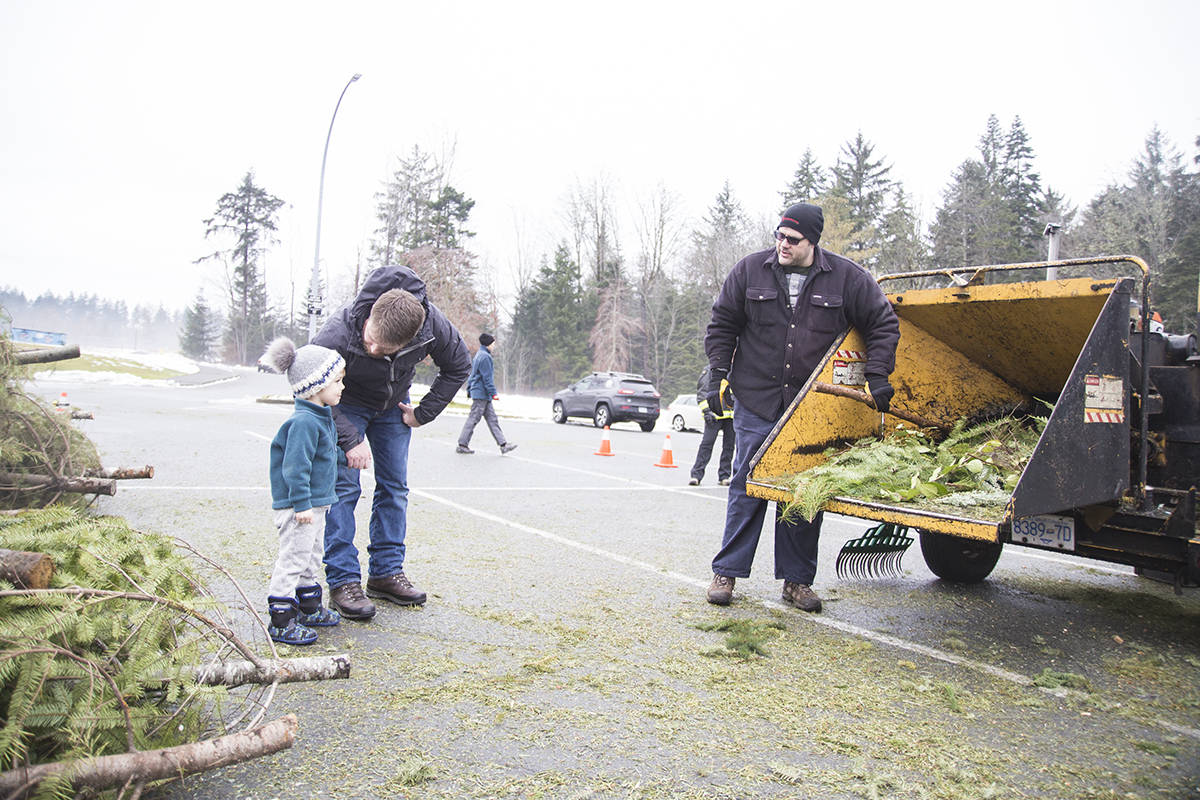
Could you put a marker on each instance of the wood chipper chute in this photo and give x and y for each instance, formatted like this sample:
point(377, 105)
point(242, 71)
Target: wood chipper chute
point(1114, 472)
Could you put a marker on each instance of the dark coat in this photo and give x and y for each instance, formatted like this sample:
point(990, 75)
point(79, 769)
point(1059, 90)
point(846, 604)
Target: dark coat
point(380, 383)
point(772, 350)
point(481, 384)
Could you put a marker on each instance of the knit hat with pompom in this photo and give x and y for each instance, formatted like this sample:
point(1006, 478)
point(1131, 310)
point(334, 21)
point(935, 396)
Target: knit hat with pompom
point(309, 369)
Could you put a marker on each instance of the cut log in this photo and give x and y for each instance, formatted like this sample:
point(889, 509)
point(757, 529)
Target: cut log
point(26, 570)
point(122, 474)
point(79, 485)
point(47, 354)
point(866, 399)
point(285, 670)
point(105, 772)
point(77, 414)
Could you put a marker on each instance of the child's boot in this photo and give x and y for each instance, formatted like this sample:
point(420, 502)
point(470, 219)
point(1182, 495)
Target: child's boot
point(284, 627)
point(312, 613)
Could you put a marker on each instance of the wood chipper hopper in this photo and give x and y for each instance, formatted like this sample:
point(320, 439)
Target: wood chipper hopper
point(1111, 477)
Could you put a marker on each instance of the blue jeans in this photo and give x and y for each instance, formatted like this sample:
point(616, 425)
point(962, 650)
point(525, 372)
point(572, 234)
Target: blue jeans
point(388, 437)
point(795, 543)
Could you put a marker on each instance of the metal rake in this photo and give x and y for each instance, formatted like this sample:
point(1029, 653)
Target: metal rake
point(875, 554)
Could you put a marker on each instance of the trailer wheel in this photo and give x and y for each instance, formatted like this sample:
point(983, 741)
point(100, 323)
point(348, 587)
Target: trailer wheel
point(960, 560)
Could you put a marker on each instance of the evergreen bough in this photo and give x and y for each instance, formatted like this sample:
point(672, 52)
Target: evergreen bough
point(973, 471)
point(36, 439)
point(104, 661)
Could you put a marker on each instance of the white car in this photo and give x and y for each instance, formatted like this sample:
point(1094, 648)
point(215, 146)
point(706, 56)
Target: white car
point(684, 413)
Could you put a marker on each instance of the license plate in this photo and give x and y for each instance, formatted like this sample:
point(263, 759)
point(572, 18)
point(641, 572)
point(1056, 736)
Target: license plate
point(1045, 531)
point(643, 409)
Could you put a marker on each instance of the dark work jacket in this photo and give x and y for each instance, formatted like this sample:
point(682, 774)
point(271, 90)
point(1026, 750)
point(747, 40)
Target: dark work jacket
point(772, 350)
point(380, 383)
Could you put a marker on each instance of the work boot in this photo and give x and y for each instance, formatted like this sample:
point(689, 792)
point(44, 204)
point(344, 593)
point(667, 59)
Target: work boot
point(349, 600)
point(507, 447)
point(462, 448)
point(801, 596)
point(395, 589)
point(283, 627)
point(720, 591)
point(312, 613)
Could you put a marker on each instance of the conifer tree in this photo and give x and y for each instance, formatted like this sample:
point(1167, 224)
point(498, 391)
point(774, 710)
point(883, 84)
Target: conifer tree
point(248, 216)
point(808, 183)
point(198, 338)
point(862, 181)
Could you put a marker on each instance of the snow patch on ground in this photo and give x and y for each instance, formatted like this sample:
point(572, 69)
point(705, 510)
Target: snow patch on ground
point(509, 406)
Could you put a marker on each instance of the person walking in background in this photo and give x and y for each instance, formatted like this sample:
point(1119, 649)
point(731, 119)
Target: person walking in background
point(714, 423)
point(389, 328)
point(778, 313)
point(481, 388)
point(304, 459)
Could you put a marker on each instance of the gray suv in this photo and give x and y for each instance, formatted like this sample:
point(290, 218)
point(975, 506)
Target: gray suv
point(608, 397)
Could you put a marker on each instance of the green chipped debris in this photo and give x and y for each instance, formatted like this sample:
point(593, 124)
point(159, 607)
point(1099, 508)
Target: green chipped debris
point(972, 472)
point(745, 638)
point(1050, 679)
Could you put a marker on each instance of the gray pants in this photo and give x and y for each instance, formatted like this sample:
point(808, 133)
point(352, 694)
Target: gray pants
point(481, 409)
point(301, 550)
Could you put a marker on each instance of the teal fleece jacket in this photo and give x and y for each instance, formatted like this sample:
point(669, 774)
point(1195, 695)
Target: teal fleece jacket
point(305, 458)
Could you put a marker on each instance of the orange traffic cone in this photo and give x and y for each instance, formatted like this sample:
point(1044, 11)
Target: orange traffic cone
point(62, 401)
point(605, 444)
point(666, 460)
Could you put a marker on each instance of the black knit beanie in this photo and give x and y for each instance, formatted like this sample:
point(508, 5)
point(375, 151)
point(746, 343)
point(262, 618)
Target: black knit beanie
point(806, 218)
point(486, 339)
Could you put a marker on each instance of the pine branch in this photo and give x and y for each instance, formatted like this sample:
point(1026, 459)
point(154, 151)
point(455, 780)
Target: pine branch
point(105, 772)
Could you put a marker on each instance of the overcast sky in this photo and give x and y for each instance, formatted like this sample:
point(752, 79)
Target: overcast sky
point(124, 122)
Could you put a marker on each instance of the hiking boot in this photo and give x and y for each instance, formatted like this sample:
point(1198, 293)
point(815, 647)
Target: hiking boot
point(507, 447)
point(395, 589)
point(349, 600)
point(720, 591)
point(462, 448)
point(312, 613)
point(801, 596)
point(694, 482)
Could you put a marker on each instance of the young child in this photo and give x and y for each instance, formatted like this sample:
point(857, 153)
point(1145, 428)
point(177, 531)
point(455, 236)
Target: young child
point(304, 461)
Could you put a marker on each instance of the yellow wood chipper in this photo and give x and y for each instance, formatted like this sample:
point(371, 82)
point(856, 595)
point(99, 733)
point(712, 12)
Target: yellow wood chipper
point(1114, 473)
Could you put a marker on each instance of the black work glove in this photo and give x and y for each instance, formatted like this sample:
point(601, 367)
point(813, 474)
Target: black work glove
point(881, 392)
point(713, 398)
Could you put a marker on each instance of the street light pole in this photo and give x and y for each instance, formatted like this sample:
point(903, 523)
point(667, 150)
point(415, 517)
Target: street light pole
point(314, 290)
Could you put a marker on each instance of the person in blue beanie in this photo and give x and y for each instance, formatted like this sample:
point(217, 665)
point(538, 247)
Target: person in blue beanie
point(303, 467)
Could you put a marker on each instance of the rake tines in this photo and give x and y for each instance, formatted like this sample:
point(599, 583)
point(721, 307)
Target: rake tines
point(875, 554)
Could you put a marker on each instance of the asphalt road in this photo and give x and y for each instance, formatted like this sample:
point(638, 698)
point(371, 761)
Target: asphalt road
point(566, 649)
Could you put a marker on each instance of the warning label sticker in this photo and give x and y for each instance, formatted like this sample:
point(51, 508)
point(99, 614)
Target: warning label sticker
point(849, 373)
point(1103, 398)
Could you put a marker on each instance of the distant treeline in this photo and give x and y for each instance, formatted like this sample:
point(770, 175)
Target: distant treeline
point(92, 321)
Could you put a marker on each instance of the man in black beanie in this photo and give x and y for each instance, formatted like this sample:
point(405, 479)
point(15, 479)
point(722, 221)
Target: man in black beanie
point(777, 315)
point(481, 388)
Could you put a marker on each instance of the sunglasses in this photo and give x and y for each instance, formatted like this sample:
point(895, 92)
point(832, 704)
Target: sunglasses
point(792, 240)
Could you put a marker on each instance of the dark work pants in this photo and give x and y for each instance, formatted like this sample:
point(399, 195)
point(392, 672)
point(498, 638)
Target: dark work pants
point(795, 543)
point(711, 429)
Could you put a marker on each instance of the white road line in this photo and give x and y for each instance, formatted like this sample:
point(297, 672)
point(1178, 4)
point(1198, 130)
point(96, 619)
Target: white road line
point(845, 627)
point(144, 488)
point(1019, 551)
point(257, 435)
point(689, 491)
